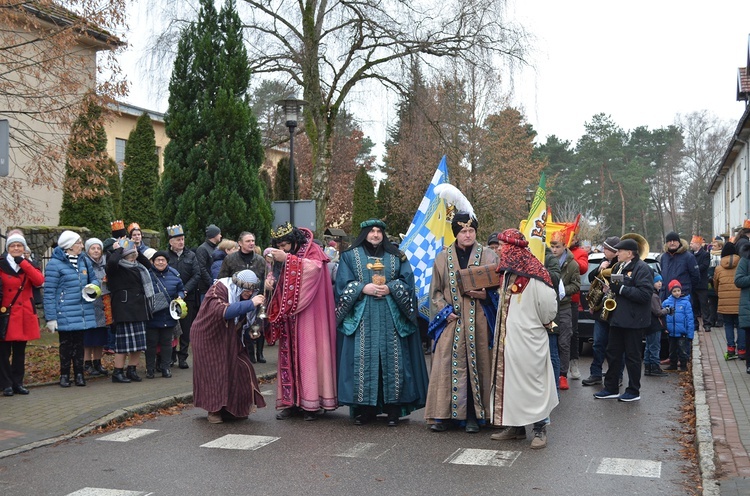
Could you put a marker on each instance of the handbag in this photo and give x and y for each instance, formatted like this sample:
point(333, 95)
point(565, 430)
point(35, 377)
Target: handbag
point(5, 312)
point(476, 277)
point(161, 298)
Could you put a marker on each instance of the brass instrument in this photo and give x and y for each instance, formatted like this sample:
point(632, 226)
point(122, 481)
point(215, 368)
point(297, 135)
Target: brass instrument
point(607, 302)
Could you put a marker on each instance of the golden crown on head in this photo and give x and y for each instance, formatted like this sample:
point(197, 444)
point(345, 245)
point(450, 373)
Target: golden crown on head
point(133, 225)
point(116, 225)
point(175, 231)
point(282, 230)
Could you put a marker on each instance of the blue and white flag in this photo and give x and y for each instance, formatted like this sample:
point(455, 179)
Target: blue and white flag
point(428, 233)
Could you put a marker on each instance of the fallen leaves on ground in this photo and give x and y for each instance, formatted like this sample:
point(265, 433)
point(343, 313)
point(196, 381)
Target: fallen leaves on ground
point(693, 485)
point(140, 418)
point(43, 363)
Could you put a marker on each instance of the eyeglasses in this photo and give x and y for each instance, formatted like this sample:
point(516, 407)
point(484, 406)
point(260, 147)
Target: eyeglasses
point(79, 242)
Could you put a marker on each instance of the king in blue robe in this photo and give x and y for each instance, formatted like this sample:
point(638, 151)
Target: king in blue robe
point(381, 360)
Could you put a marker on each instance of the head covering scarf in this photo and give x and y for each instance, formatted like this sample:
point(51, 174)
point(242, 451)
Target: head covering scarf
point(516, 258)
point(373, 250)
point(236, 284)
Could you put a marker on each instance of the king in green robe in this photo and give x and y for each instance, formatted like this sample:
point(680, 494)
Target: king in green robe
point(381, 362)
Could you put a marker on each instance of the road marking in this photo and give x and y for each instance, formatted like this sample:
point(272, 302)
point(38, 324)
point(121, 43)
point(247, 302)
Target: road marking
point(268, 392)
point(240, 442)
point(358, 450)
point(126, 435)
point(491, 458)
point(100, 491)
point(625, 466)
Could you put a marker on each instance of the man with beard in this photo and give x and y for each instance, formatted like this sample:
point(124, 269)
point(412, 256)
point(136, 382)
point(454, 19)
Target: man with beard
point(460, 377)
point(381, 362)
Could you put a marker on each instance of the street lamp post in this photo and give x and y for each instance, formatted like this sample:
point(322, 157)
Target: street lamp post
point(292, 108)
point(529, 197)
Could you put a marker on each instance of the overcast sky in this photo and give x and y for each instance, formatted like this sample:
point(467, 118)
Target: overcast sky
point(642, 62)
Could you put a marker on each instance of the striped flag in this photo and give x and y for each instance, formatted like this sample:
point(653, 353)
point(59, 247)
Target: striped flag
point(535, 228)
point(427, 234)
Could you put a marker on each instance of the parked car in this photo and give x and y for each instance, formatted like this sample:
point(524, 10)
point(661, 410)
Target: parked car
point(585, 319)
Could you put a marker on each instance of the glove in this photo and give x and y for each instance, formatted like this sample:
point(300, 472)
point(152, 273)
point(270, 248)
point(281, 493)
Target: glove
point(615, 286)
point(52, 326)
point(671, 310)
point(18, 260)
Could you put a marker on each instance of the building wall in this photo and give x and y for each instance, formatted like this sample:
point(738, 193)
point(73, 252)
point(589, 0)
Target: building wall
point(124, 121)
point(730, 200)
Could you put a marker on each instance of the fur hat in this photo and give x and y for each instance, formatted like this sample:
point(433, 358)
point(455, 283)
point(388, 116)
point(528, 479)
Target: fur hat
point(93, 241)
point(67, 239)
point(674, 283)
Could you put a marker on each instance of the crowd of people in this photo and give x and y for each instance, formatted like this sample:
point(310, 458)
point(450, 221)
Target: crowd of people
point(347, 325)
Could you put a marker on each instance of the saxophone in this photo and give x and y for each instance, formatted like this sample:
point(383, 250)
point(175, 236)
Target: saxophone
point(610, 303)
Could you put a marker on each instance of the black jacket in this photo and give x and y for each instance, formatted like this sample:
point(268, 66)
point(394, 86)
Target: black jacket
point(704, 261)
point(204, 255)
point(126, 287)
point(190, 272)
point(634, 297)
point(235, 262)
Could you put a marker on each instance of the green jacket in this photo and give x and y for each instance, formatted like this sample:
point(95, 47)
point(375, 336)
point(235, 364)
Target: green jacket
point(571, 278)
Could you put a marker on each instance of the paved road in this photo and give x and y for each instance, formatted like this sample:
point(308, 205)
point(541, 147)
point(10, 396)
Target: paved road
point(595, 447)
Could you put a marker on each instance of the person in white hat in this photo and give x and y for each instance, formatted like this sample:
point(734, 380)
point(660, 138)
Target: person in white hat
point(66, 310)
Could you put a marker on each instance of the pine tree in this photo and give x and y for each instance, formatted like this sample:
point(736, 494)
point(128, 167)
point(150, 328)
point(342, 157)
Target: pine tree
point(115, 188)
point(281, 181)
point(364, 199)
point(86, 197)
point(212, 163)
point(140, 178)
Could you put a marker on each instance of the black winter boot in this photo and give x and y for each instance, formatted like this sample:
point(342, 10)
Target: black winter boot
point(647, 369)
point(259, 346)
point(88, 368)
point(133, 374)
point(80, 381)
point(65, 380)
point(656, 371)
point(251, 351)
point(149, 373)
point(98, 367)
point(118, 376)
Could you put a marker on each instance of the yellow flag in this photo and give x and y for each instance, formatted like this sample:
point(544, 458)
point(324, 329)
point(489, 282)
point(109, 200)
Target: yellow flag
point(535, 225)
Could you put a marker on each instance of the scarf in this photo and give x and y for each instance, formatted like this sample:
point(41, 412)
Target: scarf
point(148, 286)
point(12, 263)
point(516, 258)
point(233, 296)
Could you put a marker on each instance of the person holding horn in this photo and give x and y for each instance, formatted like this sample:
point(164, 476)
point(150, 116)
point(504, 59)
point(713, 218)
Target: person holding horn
point(631, 282)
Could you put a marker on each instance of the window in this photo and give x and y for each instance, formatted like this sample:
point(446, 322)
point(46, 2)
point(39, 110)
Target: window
point(120, 150)
point(731, 185)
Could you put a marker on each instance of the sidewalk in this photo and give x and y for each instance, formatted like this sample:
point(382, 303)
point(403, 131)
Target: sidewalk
point(722, 416)
point(51, 413)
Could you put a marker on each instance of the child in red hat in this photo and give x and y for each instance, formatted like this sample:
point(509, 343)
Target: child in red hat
point(680, 326)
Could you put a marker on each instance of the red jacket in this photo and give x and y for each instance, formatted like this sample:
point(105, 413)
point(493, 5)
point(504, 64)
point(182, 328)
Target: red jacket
point(24, 323)
point(582, 257)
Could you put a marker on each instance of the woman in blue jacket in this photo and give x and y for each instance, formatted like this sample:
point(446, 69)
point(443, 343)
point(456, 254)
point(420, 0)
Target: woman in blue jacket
point(160, 329)
point(66, 309)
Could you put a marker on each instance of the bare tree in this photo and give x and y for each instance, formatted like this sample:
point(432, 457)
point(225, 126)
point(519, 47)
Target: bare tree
point(327, 48)
point(705, 140)
point(49, 61)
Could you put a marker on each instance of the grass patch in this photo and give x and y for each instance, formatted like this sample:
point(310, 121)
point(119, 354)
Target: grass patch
point(43, 360)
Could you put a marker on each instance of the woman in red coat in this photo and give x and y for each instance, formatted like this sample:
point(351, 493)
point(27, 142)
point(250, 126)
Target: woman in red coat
point(17, 274)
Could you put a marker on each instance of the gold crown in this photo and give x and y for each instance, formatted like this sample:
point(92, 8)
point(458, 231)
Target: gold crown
point(281, 231)
point(117, 225)
point(133, 225)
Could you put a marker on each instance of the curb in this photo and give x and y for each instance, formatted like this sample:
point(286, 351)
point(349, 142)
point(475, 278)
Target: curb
point(116, 416)
point(704, 438)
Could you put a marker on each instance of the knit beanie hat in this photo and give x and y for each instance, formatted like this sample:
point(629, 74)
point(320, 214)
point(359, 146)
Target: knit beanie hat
point(212, 231)
point(67, 239)
point(674, 283)
point(672, 236)
point(16, 238)
point(107, 246)
point(611, 242)
point(93, 241)
point(160, 253)
point(657, 278)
